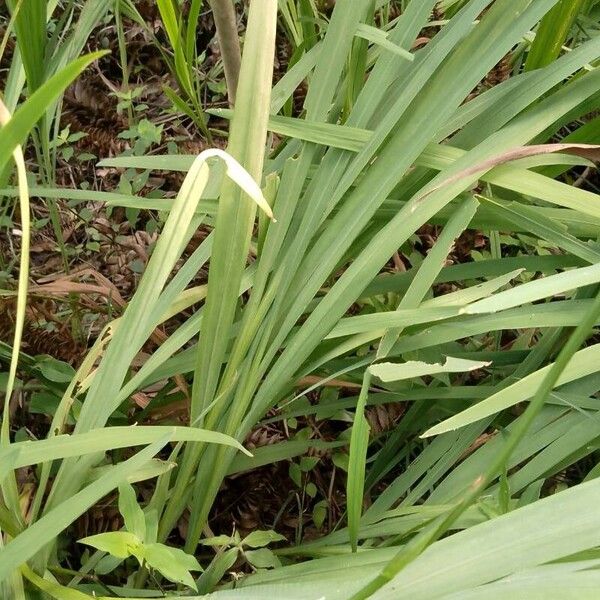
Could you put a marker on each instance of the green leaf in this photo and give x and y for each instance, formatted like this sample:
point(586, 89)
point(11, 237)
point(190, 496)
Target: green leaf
point(214, 573)
point(258, 539)
point(552, 33)
point(262, 558)
point(537, 290)
point(359, 444)
point(55, 370)
point(30, 29)
point(133, 515)
point(186, 560)
point(379, 37)
point(99, 440)
point(151, 525)
point(319, 513)
point(16, 131)
point(54, 590)
point(118, 543)
point(170, 564)
point(44, 531)
point(107, 564)
point(311, 489)
point(583, 363)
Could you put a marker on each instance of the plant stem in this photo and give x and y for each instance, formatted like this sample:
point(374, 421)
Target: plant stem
point(229, 42)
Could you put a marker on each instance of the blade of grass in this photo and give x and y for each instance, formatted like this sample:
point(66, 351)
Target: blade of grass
point(430, 269)
point(380, 38)
point(552, 33)
point(30, 29)
point(359, 445)
point(15, 132)
point(552, 376)
point(22, 454)
point(9, 488)
point(537, 290)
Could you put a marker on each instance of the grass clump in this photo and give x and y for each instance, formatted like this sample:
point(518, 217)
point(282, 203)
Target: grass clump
point(359, 356)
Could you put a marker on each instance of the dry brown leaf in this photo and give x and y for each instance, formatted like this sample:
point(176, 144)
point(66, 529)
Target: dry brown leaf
point(589, 151)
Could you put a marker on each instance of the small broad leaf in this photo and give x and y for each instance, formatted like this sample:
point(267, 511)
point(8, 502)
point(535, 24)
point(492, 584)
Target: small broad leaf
point(258, 539)
point(55, 370)
point(415, 368)
point(262, 558)
point(308, 463)
point(319, 513)
point(130, 510)
point(341, 460)
point(169, 563)
point(295, 473)
point(118, 543)
point(42, 403)
point(183, 558)
point(29, 113)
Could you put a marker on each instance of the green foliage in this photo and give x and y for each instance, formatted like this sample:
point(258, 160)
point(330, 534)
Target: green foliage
point(172, 563)
point(143, 135)
point(43, 60)
point(181, 32)
point(552, 33)
point(251, 548)
point(486, 486)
